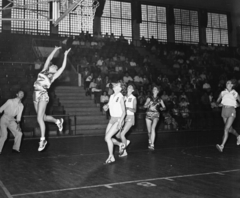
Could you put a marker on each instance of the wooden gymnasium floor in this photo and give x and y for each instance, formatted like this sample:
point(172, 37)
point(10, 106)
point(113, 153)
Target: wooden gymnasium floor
point(184, 164)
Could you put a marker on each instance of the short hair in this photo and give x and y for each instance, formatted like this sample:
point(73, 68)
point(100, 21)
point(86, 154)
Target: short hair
point(155, 86)
point(19, 91)
point(132, 84)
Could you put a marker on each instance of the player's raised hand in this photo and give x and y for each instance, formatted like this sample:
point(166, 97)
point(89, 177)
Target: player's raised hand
point(57, 48)
point(67, 51)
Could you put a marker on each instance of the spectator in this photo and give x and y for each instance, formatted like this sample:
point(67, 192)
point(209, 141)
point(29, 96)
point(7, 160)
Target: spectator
point(92, 85)
point(133, 63)
point(138, 80)
point(106, 38)
point(100, 62)
point(87, 82)
point(127, 78)
point(95, 57)
point(103, 100)
point(112, 38)
point(207, 86)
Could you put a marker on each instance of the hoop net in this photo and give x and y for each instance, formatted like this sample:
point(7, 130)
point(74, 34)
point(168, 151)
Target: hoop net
point(85, 11)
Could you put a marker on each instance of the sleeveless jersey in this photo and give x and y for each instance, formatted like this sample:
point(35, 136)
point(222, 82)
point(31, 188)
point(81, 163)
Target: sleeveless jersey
point(155, 104)
point(44, 81)
point(115, 106)
point(229, 98)
point(129, 103)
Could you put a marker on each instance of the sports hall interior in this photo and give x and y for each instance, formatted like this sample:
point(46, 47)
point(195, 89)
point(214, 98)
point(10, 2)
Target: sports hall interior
point(189, 48)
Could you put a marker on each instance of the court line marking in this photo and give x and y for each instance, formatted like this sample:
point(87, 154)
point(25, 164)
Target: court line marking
point(130, 151)
point(7, 193)
point(125, 182)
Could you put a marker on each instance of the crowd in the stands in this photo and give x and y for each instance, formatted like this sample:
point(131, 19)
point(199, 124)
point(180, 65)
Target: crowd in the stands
point(198, 73)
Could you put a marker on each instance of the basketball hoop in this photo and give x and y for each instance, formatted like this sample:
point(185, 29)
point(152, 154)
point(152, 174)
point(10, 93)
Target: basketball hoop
point(84, 9)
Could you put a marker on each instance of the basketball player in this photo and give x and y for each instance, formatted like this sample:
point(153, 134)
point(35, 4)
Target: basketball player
point(117, 111)
point(131, 107)
point(228, 98)
point(40, 96)
point(153, 104)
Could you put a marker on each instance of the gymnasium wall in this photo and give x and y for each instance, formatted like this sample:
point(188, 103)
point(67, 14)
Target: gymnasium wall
point(231, 6)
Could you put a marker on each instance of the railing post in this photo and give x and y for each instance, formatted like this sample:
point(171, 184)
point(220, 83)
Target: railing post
point(75, 124)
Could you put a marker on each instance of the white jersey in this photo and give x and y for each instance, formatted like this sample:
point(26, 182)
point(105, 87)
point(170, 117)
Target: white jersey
point(229, 98)
point(129, 103)
point(115, 105)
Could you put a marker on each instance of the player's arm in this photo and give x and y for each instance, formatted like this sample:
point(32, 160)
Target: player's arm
point(61, 69)
point(147, 103)
point(219, 99)
point(134, 109)
point(238, 101)
point(50, 57)
point(121, 121)
point(163, 107)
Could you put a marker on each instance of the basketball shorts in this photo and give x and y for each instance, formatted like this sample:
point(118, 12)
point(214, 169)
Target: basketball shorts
point(113, 120)
point(151, 115)
point(131, 119)
point(228, 112)
point(40, 96)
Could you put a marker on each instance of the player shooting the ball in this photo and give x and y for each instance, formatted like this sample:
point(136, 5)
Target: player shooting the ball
point(44, 80)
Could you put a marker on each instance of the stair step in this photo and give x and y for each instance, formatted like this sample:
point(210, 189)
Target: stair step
point(73, 97)
point(83, 109)
point(80, 101)
point(79, 105)
point(63, 94)
point(94, 121)
point(89, 127)
point(90, 132)
point(90, 117)
point(85, 113)
point(67, 87)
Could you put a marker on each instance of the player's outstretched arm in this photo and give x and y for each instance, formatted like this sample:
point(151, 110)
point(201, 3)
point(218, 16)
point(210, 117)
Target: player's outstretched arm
point(219, 99)
point(50, 57)
point(61, 69)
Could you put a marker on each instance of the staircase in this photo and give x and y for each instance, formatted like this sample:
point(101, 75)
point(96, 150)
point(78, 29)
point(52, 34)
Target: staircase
point(89, 119)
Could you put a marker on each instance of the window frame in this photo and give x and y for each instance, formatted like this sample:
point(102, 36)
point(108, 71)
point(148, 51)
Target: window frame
point(120, 18)
point(182, 25)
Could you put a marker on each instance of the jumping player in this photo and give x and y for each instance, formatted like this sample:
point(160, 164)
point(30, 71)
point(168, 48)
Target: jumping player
point(153, 105)
point(131, 107)
point(117, 111)
point(40, 95)
point(228, 99)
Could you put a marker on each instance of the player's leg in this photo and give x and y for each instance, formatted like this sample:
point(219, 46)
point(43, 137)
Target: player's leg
point(41, 108)
point(153, 133)
point(228, 123)
point(149, 127)
point(108, 138)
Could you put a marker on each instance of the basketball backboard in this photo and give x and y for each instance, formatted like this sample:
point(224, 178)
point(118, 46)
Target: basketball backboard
point(85, 9)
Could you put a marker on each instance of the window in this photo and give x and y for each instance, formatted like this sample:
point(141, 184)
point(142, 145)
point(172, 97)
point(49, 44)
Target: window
point(116, 19)
point(186, 26)
point(217, 29)
point(78, 20)
point(153, 22)
point(38, 12)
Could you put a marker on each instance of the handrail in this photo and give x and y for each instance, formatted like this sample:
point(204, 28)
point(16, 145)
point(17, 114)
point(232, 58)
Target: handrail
point(16, 62)
point(64, 115)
